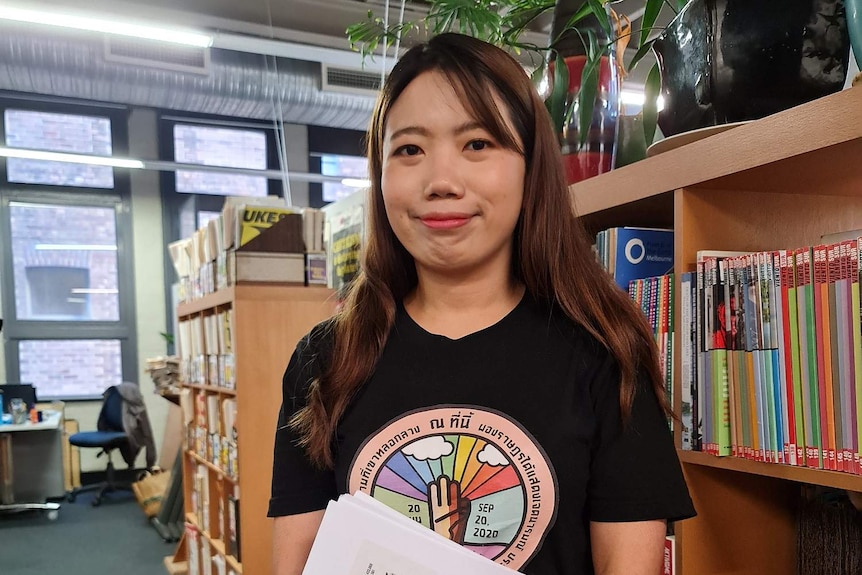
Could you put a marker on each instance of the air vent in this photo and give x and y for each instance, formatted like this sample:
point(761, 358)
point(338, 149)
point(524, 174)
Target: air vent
point(350, 80)
point(157, 55)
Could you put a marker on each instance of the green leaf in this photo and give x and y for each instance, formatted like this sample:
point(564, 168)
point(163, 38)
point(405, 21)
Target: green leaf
point(680, 4)
point(584, 11)
point(601, 15)
point(639, 55)
point(652, 8)
point(652, 87)
point(539, 73)
point(587, 95)
point(556, 100)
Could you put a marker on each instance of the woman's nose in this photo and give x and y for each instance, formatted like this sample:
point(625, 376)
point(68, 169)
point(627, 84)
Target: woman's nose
point(444, 177)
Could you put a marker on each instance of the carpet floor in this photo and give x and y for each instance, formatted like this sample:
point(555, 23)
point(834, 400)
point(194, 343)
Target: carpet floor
point(84, 540)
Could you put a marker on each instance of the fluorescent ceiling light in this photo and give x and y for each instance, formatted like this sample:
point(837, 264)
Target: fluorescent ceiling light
point(70, 158)
point(94, 291)
point(355, 183)
point(106, 26)
point(636, 98)
point(82, 247)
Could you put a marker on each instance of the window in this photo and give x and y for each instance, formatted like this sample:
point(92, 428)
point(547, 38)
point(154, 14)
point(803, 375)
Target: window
point(70, 368)
point(204, 217)
point(64, 262)
point(225, 147)
point(352, 167)
point(68, 291)
point(68, 133)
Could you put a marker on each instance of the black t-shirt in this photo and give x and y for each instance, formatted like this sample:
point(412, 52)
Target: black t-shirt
point(518, 426)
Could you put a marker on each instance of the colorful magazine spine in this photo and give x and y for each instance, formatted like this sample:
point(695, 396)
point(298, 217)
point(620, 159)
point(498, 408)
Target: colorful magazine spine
point(808, 357)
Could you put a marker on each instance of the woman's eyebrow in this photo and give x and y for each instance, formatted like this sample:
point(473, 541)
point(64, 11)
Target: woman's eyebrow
point(421, 131)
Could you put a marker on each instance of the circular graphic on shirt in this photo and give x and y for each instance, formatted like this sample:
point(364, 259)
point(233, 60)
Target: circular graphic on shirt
point(469, 473)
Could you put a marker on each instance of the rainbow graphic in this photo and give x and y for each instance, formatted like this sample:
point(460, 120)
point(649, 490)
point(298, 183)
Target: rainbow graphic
point(459, 485)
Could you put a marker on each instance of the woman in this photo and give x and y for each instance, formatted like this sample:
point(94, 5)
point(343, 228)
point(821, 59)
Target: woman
point(484, 377)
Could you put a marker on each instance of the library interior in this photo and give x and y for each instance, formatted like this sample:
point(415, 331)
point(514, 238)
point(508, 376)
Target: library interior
point(186, 192)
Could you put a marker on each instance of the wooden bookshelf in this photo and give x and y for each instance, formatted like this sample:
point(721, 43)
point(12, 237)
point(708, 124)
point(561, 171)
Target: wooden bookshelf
point(779, 182)
point(216, 299)
point(267, 322)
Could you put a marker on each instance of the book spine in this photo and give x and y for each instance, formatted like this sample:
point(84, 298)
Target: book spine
point(780, 364)
point(856, 319)
point(834, 359)
point(795, 360)
point(808, 348)
point(687, 347)
point(721, 368)
point(824, 357)
point(765, 307)
point(843, 314)
point(699, 396)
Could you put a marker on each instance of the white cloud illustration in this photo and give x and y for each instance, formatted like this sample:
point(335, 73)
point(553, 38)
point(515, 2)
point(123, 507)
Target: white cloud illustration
point(429, 448)
point(492, 456)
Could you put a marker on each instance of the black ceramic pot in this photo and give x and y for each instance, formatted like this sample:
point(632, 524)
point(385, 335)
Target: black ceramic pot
point(726, 61)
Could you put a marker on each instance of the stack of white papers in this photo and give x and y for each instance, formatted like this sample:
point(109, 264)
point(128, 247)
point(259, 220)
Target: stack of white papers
point(361, 536)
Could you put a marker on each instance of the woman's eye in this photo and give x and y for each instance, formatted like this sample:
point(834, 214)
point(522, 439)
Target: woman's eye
point(407, 150)
point(478, 145)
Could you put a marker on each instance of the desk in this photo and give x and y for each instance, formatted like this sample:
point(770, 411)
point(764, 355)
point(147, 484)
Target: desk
point(31, 467)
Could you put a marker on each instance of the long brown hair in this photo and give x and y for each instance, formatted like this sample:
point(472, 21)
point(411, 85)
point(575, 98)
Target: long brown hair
point(552, 255)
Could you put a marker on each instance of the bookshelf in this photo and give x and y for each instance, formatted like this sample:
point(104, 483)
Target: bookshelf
point(779, 182)
point(258, 325)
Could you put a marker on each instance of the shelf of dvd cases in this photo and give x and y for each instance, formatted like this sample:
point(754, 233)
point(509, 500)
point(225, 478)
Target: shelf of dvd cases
point(778, 183)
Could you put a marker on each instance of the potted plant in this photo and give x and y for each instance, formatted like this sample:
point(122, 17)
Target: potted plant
point(746, 59)
point(578, 68)
point(719, 61)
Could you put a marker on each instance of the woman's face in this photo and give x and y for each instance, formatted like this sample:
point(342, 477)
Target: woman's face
point(452, 193)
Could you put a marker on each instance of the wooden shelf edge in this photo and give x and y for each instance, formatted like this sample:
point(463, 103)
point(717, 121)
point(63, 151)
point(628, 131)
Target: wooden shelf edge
point(235, 565)
point(212, 388)
point(216, 544)
point(789, 472)
point(211, 466)
point(745, 147)
point(176, 568)
point(209, 301)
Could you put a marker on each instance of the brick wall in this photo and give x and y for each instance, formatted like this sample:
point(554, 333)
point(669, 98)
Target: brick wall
point(70, 368)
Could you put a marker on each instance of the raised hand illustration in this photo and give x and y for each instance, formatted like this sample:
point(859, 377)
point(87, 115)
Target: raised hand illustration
point(449, 510)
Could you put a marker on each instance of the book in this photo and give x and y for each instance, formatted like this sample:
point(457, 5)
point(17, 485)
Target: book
point(265, 267)
point(344, 233)
point(669, 564)
point(360, 535)
point(637, 253)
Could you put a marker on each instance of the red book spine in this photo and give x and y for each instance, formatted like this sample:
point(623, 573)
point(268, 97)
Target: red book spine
point(785, 277)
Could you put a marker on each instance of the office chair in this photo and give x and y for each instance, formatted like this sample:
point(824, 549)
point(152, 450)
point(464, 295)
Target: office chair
point(109, 439)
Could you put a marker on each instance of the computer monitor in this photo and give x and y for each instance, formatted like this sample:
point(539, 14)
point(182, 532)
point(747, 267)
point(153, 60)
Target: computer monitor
point(25, 391)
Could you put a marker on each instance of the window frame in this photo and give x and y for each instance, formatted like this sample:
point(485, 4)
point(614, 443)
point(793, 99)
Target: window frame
point(177, 204)
point(118, 199)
